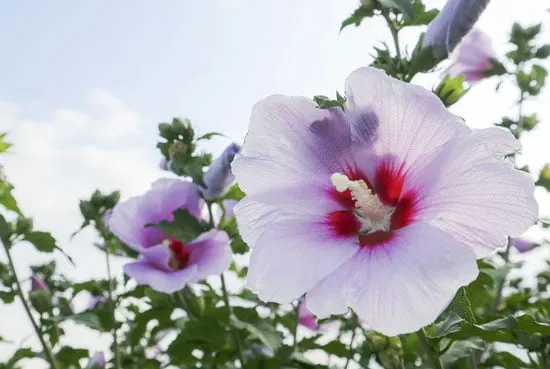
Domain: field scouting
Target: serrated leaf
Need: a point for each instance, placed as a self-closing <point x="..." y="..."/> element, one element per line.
<point x="185" y="227"/>
<point x="43" y="241"/>
<point x="357" y="16"/>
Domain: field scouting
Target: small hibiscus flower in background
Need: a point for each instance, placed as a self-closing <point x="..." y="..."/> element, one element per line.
<point x="97" y="361"/>
<point x="474" y="58"/>
<point x="522" y="245"/>
<point x="383" y="207"/>
<point x="167" y="264"/>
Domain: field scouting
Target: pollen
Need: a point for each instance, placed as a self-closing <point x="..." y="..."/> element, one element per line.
<point x="367" y="204"/>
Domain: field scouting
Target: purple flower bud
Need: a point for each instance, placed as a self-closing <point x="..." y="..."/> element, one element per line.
<point x="165" y="164"/>
<point x="219" y="176"/>
<point x="107" y="217"/>
<point x="38" y="284"/>
<point x="453" y="22"/>
<point x="97" y="361"/>
<point x="522" y="245"/>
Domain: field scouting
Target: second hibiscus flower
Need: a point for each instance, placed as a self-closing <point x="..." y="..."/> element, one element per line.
<point x="383" y="207"/>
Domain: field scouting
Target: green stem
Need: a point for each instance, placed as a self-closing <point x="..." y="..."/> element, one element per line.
<point x="429" y="350"/>
<point x="502" y="281"/>
<point x="47" y="351"/>
<point x="394" y="33"/>
<point x="472" y="361"/>
<point x="350" y="350"/>
<point x="118" y="363"/>
<point x="234" y="334"/>
<point x="295" y="328"/>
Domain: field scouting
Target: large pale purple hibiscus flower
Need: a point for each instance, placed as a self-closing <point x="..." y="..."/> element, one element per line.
<point x="167" y="264"/>
<point x="383" y="207"/>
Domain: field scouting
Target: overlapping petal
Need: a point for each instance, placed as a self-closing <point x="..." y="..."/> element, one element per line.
<point x="400" y="286"/>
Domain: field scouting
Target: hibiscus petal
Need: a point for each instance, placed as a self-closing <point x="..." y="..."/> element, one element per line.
<point x="160" y="280"/>
<point x="473" y="194"/>
<point x="408" y="121"/>
<point x="290" y="140"/>
<point x="129" y="218"/>
<point x="401" y="286"/>
<point x="292" y="256"/>
<point x="211" y="253"/>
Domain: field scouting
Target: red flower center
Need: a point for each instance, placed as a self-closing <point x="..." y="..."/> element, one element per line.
<point x="180" y="254"/>
<point x="373" y="209"/>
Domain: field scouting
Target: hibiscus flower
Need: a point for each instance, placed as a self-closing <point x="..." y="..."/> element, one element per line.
<point x="383" y="207"/>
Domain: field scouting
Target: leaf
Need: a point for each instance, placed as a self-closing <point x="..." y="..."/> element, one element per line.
<point x="22" y="353"/>
<point x="261" y="330"/>
<point x="239" y="246"/>
<point x="506" y="360"/>
<point x="234" y="193"/>
<point x="5" y="229"/>
<point x="43" y="241"/>
<point x="3" y="144"/>
<point x="461" y="350"/>
<point x="69" y="356"/>
<point x="461" y="306"/>
<point x="404" y="6"/>
<point x="185" y="227"/>
<point x="422" y="17"/>
<point x="357" y="16"/>
<point x="6" y="198"/>
<point x="544" y="177"/>
<point x="209" y="135"/>
<point x="86" y="318"/>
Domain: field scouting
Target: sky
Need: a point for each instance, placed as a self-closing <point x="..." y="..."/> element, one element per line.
<point x="84" y="85"/>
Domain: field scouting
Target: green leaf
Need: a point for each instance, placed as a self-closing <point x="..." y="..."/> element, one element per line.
<point x="357" y="16"/>
<point x="43" y="241"/>
<point x="69" y="356"/>
<point x="5" y="229"/>
<point x="422" y="16"/>
<point x="209" y="135"/>
<point x="506" y="360"/>
<point x="22" y="353"/>
<point x="461" y="350"/>
<point x="185" y="227"/>
<point x="404" y="6"/>
<point x="239" y="246"/>
<point x="86" y="318"/>
<point x="544" y="177"/>
<point x="261" y="330"/>
<point x="6" y="198"/>
<point x="3" y="144"/>
<point x="234" y="193"/>
<point x="461" y="306"/>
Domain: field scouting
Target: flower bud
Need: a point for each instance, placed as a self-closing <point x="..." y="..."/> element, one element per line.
<point x="522" y="245"/>
<point x="97" y="361"/>
<point x="218" y="177"/>
<point x="453" y="22"/>
<point x="38" y="284"/>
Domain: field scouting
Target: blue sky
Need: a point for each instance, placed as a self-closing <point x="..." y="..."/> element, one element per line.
<point x="84" y="85"/>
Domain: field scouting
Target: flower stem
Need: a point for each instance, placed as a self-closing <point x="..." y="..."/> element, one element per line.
<point x="236" y="341"/>
<point x="118" y="364"/>
<point x="350" y="349"/>
<point x="295" y="328"/>
<point x="47" y="351"/>
<point x="428" y="349"/>
<point x="501" y="282"/>
<point x="394" y="33"/>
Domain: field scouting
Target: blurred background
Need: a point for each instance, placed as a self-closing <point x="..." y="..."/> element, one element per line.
<point x="83" y="86"/>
